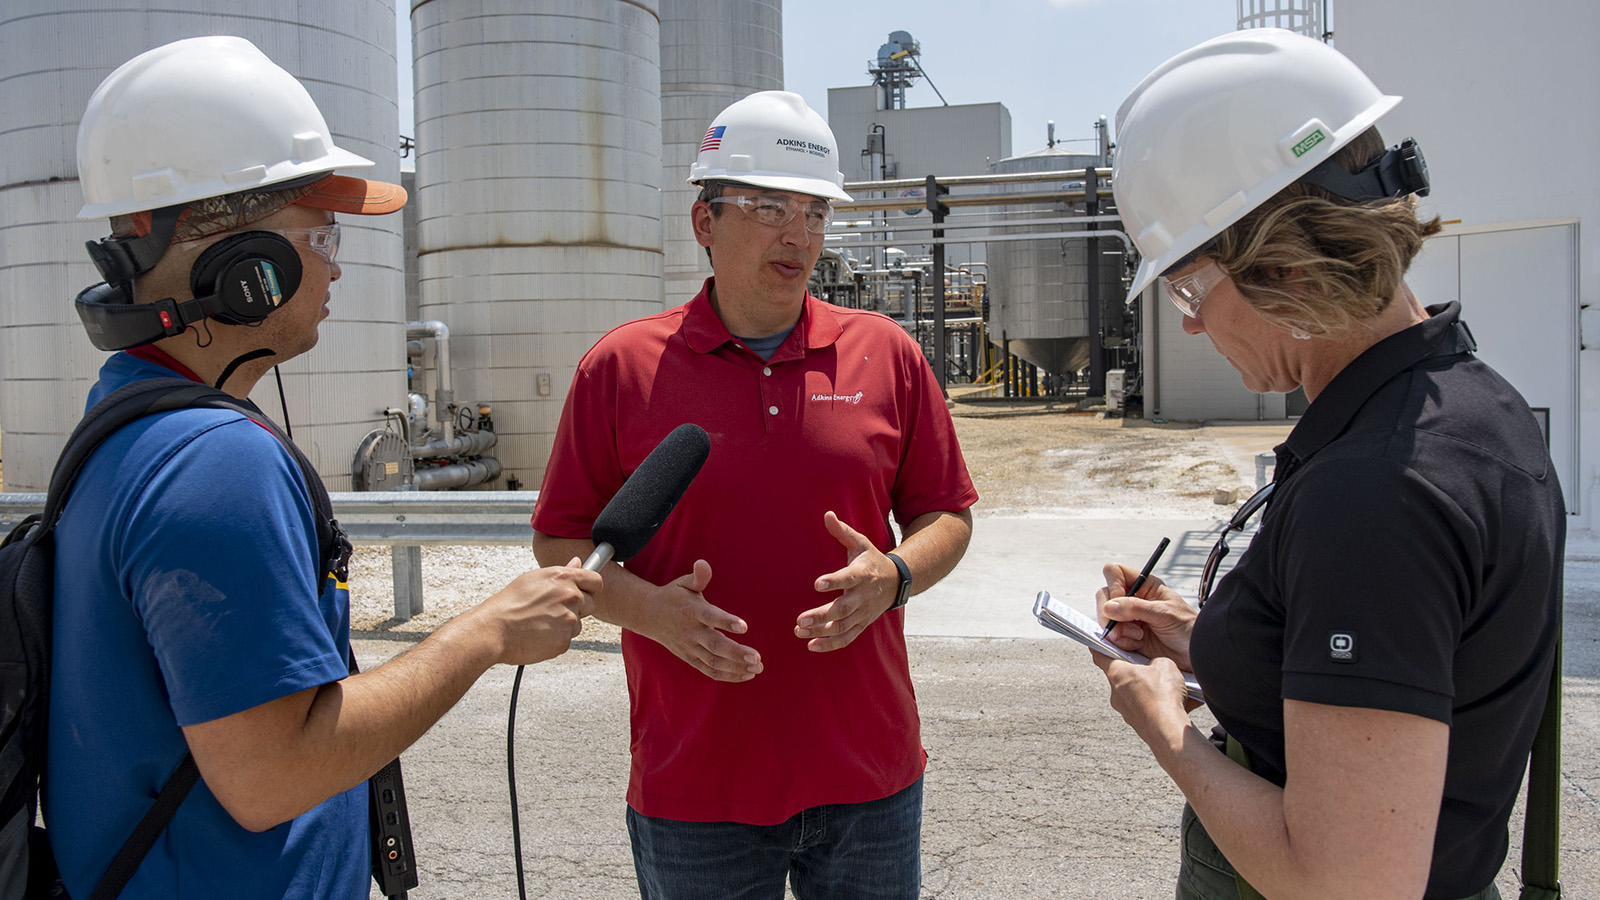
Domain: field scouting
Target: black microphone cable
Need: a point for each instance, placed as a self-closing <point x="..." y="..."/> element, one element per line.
<point x="628" y="522"/>
<point x="511" y="779"/>
<point x="282" y="403"/>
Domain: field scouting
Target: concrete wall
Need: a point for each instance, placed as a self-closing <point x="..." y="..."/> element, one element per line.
<point x="1508" y="122"/>
<point x="1187" y="379"/>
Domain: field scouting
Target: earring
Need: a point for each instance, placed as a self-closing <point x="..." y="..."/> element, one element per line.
<point x="1299" y="334"/>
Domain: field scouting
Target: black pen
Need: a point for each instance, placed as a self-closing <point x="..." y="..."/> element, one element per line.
<point x="1139" y="582"/>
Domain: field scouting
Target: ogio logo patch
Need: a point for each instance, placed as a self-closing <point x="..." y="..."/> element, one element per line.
<point x="1342" y="646"/>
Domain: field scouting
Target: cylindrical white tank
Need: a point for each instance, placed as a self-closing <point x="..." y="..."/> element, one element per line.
<point x="53" y="53"/>
<point x="713" y="52"/>
<point x="1300" y="16"/>
<point x="538" y="195"/>
<point x="1039" y="290"/>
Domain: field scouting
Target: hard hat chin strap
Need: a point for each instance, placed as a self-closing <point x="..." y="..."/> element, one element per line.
<point x="1399" y="172"/>
<point x="122" y="259"/>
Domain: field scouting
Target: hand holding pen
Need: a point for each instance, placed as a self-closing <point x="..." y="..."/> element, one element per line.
<point x="1144" y="574"/>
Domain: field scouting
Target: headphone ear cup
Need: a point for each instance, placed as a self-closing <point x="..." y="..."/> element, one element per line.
<point x="250" y="275"/>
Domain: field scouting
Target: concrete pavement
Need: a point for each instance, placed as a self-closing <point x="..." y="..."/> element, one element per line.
<point x="1035" y="788"/>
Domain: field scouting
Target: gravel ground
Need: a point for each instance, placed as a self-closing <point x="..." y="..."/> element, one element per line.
<point x="1027" y="461"/>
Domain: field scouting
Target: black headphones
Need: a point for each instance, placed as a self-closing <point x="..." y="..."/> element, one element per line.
<point x="248" y="274"/>
<point x="239" y="280"/>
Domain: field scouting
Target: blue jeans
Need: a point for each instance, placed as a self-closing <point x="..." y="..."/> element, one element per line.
<point x="844" y="851"/>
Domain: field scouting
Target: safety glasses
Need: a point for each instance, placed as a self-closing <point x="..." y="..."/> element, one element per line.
<point x="1235" y="524"/>
<point x="1186" y="291"/>
<point x="777" y="210"/>
<point x="324" y="239"/>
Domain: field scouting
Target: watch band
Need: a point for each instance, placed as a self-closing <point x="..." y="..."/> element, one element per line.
<point x="904" y="594"/>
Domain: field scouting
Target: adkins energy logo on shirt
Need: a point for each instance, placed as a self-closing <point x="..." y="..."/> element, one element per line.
<point x="852" y="399"/>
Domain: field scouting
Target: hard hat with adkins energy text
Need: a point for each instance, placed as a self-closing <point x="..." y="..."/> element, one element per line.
<point x="1220" y="128"/>
<point x="198" y="118"/>
<point x="772" y="139"/>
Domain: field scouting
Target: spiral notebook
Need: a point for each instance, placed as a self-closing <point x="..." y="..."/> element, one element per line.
<point x="1059" y="617"/>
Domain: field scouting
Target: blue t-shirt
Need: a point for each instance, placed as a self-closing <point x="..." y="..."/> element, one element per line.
<point x="187" y="590"/>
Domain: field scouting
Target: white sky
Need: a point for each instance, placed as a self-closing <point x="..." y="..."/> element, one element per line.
<point x="1067" y="60"/>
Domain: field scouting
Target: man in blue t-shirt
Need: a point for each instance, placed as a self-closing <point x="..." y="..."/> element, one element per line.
<point x="194" y="608"/>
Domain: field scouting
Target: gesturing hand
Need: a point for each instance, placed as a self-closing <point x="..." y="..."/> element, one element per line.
<point x="869" y="582"/>
<point x="686" y="624"/>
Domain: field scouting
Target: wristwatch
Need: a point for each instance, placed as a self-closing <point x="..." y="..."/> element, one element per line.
<point x="904" y="592"/>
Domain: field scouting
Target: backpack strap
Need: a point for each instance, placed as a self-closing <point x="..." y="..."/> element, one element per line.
<point x="155" y="395"/>
<point x="155" y="820"/>
<point x="117" y="409"/>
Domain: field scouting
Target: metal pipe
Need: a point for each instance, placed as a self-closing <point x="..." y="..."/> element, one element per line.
<point x="1097" y="325"/>
<point x="986" y="222"/>
<point x="443" y="397"/>
<point x="962" y="200"/>
<point x="994" y="239"/>
<point x="959" y="180"/>
<point x="471" y="443"/>
<point x="830" y="253"/>
<point x="455" y="475"/>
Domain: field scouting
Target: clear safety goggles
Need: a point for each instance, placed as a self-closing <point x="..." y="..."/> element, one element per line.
<point x="777" y="210"/>
<point x="324" y="239"/>
<point x="1186" y="291"/>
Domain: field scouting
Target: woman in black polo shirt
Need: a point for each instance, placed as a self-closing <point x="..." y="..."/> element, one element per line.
<point x="1378" y="658"/>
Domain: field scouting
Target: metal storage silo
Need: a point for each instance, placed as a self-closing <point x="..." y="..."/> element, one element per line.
<point x="1300" y="16"/>
<point x="713" y="52"/>
<point x="1038" y="290"/>
<point x="538" y="195"/>
<point x="53" y="53"/>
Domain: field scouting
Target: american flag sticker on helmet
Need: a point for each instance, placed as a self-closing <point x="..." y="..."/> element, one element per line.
<point x="713" y="138"/>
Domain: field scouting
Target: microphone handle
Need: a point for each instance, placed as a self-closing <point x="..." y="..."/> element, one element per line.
<point x="598" y="559"/>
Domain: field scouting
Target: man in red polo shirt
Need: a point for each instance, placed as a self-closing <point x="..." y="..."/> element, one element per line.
<point x="774" y="728"/>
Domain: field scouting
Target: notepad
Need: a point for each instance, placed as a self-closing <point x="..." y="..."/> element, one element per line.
<point x="1059" y="617"/>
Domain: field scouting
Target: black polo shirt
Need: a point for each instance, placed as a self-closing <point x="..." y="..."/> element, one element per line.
<point x="1410" y="560"/>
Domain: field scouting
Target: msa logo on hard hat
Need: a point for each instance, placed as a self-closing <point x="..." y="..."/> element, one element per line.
<point x="1311" y="140"/>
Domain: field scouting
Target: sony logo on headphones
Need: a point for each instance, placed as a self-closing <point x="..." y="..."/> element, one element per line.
<point x="267" y="277"/>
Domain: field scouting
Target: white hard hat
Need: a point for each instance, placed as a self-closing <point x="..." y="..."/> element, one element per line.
<point x="1220" y="128"/>
<point x="198" y="118"/>
<point x="772" y="139"/>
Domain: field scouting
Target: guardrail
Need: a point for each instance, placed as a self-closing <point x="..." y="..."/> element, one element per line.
<point x="406" y="521"/>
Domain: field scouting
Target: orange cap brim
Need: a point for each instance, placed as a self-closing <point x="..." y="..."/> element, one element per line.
<point x="357" y="196"/>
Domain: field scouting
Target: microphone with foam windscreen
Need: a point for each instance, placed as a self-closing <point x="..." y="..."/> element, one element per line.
<point x="634" y="515"/>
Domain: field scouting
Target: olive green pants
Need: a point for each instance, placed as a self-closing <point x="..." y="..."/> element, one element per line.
<point x="1205" y="874"/>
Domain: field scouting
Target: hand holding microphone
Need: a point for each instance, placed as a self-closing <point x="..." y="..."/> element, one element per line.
<point x="541" y="611"/>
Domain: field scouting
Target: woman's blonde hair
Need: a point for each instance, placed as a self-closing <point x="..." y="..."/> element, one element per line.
<point x="1318" y="264"/>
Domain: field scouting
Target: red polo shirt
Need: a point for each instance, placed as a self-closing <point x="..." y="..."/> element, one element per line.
<point x="846" y="416"/>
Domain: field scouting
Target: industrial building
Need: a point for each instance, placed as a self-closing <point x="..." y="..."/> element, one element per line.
<point x="549" y="206"/>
